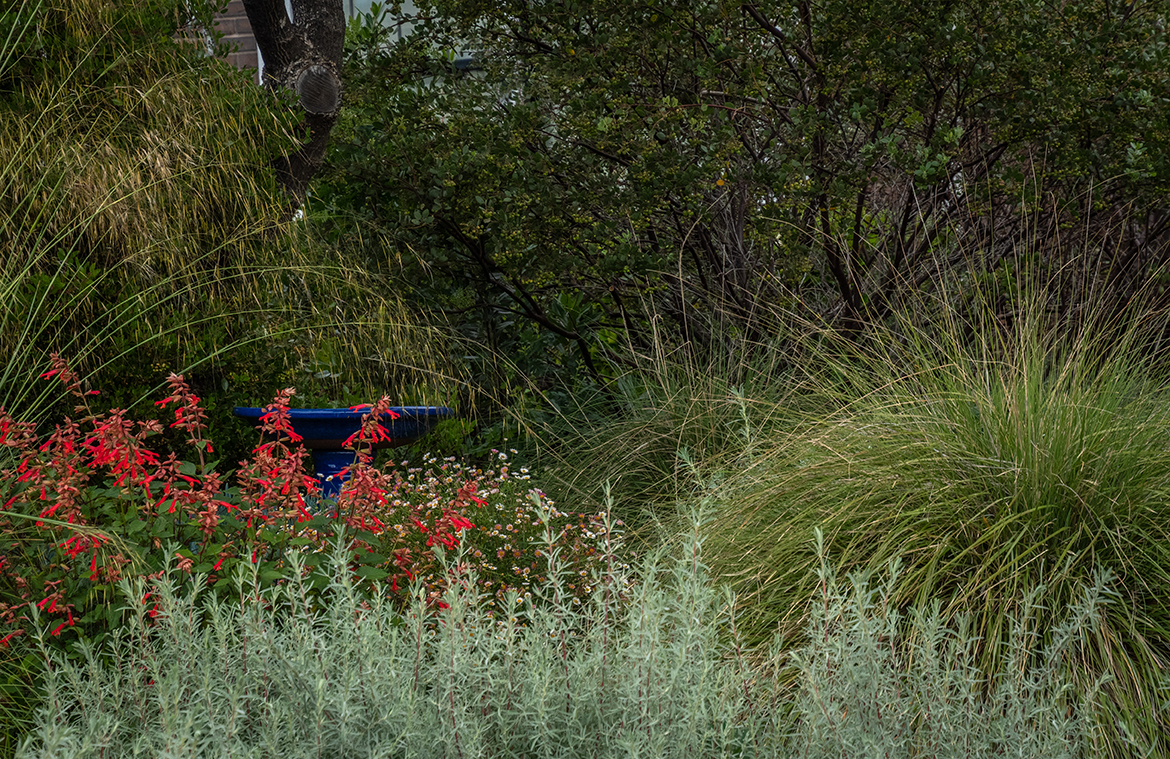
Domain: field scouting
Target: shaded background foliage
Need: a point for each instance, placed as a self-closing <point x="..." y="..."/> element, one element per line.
<point x="613" y="172"/>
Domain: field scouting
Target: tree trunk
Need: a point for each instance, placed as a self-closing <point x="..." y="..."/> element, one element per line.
<point x="302" y="55"/>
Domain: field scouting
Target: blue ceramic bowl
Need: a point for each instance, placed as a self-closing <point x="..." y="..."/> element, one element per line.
<point x="329" y="428"/>
<point x="325" y="430"/>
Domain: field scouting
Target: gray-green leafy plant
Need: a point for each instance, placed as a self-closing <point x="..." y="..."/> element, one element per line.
<point x="650" y="666"/>
<point x="875" y="683"/>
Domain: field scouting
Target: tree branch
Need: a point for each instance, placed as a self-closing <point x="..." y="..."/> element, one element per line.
<point x="780" y="36"/>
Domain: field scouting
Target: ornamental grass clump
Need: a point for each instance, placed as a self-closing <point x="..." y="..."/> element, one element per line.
<point x="994" y="459"/>
<point x="652" y="665"/>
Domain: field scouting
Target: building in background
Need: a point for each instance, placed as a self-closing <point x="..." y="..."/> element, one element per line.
<point x="237" y="32"/>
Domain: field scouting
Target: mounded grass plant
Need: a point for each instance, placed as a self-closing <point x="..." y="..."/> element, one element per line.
<point x="130" y="182"/>
<point x="621" y="447"/>
<point x="994" y="458"/>
<point x="650" y="666"/>
<point x="141" y="231"/>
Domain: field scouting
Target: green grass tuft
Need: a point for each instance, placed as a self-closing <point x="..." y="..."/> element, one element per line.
<point x="993" y="461"/>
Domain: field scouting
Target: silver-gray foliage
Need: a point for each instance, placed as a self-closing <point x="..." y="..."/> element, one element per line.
<point x="646" y="668"/>
<point x="875" y="685"/>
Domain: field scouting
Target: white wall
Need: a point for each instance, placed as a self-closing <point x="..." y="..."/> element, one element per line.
<point x="354" y="7"/>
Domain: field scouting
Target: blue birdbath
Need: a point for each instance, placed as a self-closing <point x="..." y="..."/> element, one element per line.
<point x="325" y="430"/>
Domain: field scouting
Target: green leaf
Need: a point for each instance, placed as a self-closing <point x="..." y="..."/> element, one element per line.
<point x="372" y="573"/>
